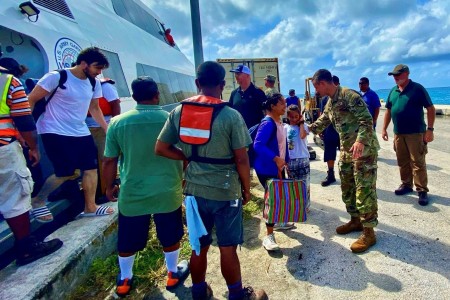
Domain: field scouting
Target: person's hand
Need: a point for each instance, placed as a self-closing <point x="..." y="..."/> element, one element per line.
<point x="384" y="135"/>
<point x="429" y="136"/>
<point x="246" y="196"/>
<point x="112" y="193"/>
<point x="280" y="163"/>
<point x="357" y="150"/>
<point x="34" y="156"/>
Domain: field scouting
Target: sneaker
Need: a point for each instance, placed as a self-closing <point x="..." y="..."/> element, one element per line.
<point x="174" y="279"/>
<point x="29" y="249"/>
<point x="403" y="189"/>
<point x="208" y="294"/>
<point x="124" y="286"/>
<point x="270" y="244"/>
<point x="283" y="226"/>
<point x="251" y="294"/>
<point x="423" y="198"/>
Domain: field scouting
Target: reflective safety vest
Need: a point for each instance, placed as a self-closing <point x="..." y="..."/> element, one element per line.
<point x="196" y="120"/>
<point x="7" y="128"/>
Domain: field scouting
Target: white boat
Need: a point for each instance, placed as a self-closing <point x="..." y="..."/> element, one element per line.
<point x="129" y="33"/>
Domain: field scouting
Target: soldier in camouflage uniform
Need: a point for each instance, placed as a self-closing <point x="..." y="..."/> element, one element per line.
<point x="269" y="83"/>
<point x="348" y="113"/>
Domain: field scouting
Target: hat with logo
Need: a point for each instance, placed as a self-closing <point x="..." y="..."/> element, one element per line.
<point x="270" y="77"/>
<point x="241" y="69"/>
<point x="401" y="68"/>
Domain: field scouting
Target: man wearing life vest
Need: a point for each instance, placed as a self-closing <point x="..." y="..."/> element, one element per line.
<point x="213" y="138"/>
<point x="15" y="178"/>
<point x="110" y="106"/>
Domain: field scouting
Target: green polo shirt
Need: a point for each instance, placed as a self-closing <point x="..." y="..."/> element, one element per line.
<point x="149" y="183"/>
<point x="212" y="181"/>
<point x="407" y="108"/>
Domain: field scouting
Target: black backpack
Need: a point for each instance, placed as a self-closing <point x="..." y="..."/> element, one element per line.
<point x="40" y="105"/>
<point x="253" y="131"/>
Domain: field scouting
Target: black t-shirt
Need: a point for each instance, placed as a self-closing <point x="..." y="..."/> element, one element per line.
<point x="249" y="104"/>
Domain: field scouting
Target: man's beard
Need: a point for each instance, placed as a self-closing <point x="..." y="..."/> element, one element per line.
<point x="88" y="75"/>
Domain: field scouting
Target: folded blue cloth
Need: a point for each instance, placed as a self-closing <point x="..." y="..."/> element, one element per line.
<point x="195" y="226"/>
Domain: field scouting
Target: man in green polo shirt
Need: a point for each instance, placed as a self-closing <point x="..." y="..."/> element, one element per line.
<point x="405" y="105"/>
<point x="150" y="185"/>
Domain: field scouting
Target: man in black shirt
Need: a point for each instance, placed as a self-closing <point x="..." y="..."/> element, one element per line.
<point x="247" y="99"/>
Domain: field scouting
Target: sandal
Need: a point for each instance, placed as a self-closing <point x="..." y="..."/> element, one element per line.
<point x="102" y="210"/>
<point x="43" y="211"/>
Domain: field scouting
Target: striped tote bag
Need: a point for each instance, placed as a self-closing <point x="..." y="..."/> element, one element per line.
<point x="285" y="200"/>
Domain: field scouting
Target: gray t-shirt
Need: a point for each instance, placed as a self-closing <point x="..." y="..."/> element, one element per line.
<point x="212" y="181"/>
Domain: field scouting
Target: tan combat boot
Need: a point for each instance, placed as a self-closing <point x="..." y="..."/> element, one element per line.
<point x="365" y="241"/>
<point x="353" y="225"/>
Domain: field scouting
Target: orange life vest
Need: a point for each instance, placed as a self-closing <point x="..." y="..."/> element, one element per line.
<point x="196" y="120"/>
<point x="105" y="106"/>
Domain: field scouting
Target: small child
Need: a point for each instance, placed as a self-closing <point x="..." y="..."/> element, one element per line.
<point x="297" y="132"/>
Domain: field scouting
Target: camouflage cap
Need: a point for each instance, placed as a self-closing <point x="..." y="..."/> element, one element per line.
<point x="270" y="77"/>
<point x="399" y="69"/>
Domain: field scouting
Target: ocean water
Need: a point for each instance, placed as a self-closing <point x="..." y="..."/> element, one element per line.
<point x="439" y="95"/>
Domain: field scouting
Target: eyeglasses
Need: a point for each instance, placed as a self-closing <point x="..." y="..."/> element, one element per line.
<point x="363" y="83"/>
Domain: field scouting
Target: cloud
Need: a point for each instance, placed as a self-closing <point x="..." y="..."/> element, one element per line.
<point x="351" y="38"/>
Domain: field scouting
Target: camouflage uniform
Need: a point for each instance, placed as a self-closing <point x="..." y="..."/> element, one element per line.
<point x="352" y="120"/>
<point x="270" y="91"/>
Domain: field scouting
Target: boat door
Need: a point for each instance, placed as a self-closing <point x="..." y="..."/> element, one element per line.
<point x="25" y="50"/>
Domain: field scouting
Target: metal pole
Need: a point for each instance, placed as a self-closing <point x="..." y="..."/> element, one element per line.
<point x="196" y="33"/>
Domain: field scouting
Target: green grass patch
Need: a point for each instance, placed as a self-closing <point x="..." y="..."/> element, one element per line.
<point x="253" y="207"/>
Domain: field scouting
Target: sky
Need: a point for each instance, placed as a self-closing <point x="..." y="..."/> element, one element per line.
<point x="351" y="38"/>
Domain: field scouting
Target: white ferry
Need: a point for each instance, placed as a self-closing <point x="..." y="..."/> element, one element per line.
<point x="128" y="32"/>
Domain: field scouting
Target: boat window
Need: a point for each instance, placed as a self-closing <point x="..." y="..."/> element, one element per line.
<point x="115" y="72"/>
<point x="135" y="14"/>
<point x="58" y="6"/>
<point x="173" y="86"/>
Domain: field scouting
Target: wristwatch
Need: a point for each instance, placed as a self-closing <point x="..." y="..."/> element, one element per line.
<point x="430" y="128"/>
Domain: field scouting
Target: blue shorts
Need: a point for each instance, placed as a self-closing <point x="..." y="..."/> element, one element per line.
<point x="226" y="216"/>
<point x="133" y="231"/>
<point x="68" y="153"/>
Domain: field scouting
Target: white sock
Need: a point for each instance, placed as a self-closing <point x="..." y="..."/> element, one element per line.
<point x="172" y="260"/>
<point x="126" y="266"/>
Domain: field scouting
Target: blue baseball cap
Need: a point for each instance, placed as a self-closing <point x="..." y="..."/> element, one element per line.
<point x="241" y="69"/>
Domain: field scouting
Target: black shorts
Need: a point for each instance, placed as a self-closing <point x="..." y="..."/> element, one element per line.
<point x="68" y="153"/>
<point x="330" y="150"/>
<point x="133" y="231"/>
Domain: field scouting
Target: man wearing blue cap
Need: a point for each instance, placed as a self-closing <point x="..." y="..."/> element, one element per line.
<point x="247" y="99"/>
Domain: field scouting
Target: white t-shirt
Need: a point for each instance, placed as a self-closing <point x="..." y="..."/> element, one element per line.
<point x="298" y="148"/>
<point x="67" y="110"/>
<point x="110" y="94"/>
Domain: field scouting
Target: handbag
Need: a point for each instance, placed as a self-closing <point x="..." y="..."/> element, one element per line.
<point x="285" y="200"/>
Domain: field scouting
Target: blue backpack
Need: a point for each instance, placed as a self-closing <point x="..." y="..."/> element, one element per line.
<point x="253" y="131"/>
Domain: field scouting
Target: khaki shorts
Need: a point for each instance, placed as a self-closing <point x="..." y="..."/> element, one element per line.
<point x="16" y="183"/>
